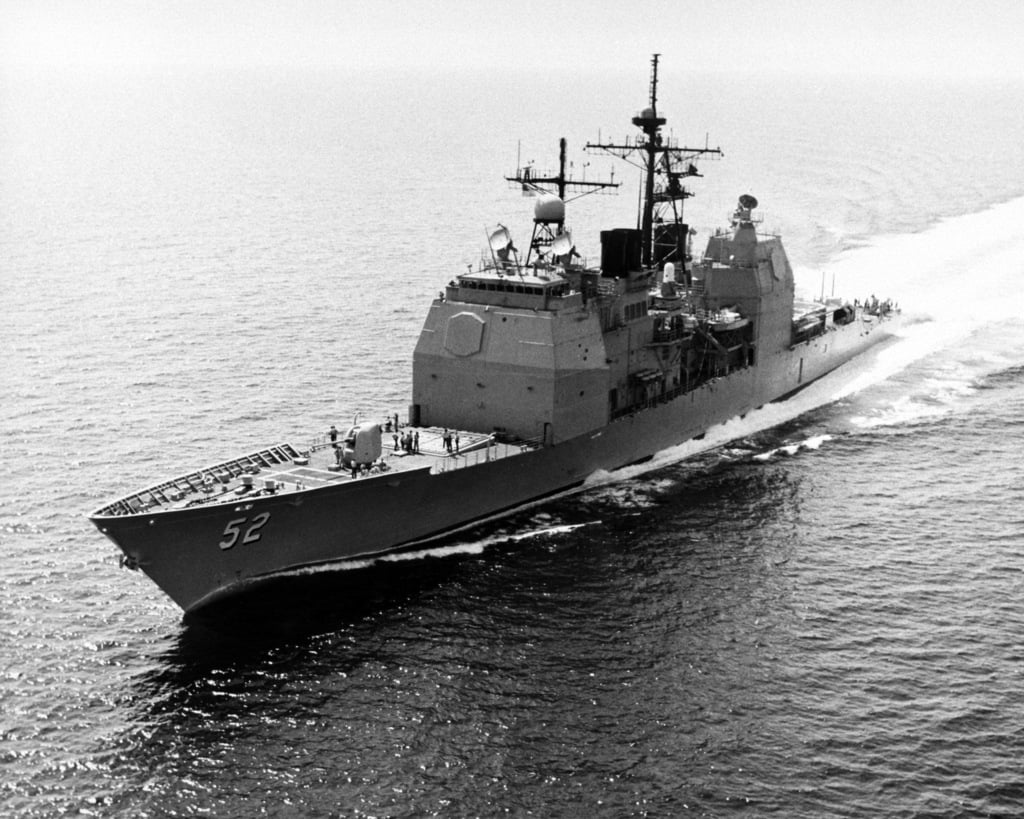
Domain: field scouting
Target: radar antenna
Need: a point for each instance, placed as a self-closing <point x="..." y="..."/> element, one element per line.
<point x="533" y="182"/>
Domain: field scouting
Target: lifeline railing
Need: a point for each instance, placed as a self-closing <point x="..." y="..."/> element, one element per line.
<point x="492" y="451"/>
<point x="200" y="480"/>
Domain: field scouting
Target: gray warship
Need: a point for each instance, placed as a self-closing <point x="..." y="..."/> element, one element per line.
<point x="532" y="372"/>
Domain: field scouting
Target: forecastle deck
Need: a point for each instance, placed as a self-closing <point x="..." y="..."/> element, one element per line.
<point x="284" y="469"/>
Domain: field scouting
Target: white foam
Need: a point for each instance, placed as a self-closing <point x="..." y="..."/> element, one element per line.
<point x="448" y="550"/>
<point x="550" y="530"/>
<point x="812" y="443"/>
<point x="815" y="441"/>
<point x="963" y="270"/>
<point x="903" y="412"/>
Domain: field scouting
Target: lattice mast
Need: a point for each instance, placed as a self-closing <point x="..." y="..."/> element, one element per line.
<point x="549" y="217"/>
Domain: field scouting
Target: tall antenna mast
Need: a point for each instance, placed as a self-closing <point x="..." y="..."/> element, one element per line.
<point x="650" y="123"/>
<point x="654" y="81"/>
<point x="658" y="157"/>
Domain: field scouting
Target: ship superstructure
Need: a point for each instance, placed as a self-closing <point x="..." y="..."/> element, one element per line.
<point x="547" y="349"/>
<point x="532" y="371"/>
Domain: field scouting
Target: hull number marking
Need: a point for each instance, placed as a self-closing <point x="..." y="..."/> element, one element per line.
<point x="252" y="533"/>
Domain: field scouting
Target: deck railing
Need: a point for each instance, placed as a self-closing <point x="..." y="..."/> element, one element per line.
<point x="492" y="451"/>
<point x="201" y="481"/>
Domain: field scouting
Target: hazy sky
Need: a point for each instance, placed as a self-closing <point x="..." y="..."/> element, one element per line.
<point x="923" y="37"/>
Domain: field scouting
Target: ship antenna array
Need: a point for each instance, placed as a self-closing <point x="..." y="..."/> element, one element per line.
<point x="533" y="182"/>
<point x="664" y="166"/>
<point x="654" y="81"/>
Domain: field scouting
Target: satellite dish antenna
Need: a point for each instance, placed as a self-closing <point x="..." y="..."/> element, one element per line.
<point x="500" y="239"/>
<point x="562" y="245"/>
<point x="748" y="202"/>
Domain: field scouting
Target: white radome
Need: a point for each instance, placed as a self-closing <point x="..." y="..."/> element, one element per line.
<point x="549" y="208"/>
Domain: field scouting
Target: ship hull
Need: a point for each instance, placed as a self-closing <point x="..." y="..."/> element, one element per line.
<point x="204" y="554"/>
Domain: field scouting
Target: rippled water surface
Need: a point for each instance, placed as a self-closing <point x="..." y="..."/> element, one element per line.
<point x="816" y="613"/>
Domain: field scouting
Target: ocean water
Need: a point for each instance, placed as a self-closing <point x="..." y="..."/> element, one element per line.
<point x="816" y="611"/>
